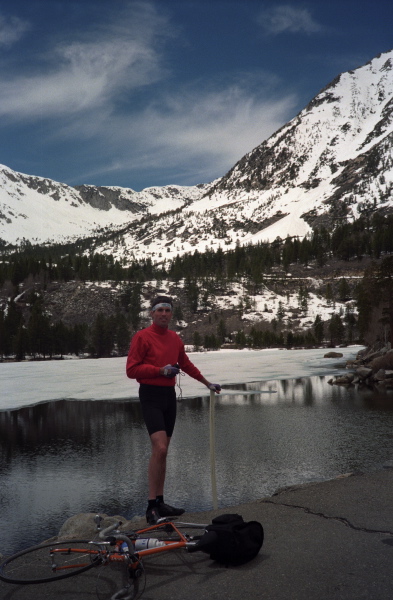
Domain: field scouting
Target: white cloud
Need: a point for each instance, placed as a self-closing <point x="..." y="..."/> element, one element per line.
<point x="90" y="92"/>
<point x="90" y="75"/>
<point x="11" y="30"/>
<point x="82" y="75"/>
<point x="285" y="17"/>
<point x="190" y="131"/>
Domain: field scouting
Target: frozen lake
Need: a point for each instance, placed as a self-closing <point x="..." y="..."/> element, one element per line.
<point x="28" y="383"/>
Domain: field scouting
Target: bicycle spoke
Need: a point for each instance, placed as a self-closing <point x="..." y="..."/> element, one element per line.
<point x="49" y="562"/>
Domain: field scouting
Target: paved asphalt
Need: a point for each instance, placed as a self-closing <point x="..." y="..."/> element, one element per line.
<point x="324" y="541"/>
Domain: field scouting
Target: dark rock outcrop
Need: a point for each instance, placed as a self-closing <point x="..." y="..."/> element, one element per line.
<point x="372" y="367"/>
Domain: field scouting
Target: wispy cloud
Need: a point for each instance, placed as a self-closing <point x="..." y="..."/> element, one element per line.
<point x="191" y="133"/>
<point x="12" y="29"/>
<point x="78" y="76"/>
<point x="110" y="92"/>
<point x="287" y="18"/>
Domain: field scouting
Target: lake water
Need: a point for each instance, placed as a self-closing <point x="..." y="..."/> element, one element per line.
<point x="65" y="456"/>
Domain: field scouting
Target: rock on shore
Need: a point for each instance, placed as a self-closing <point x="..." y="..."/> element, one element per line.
<point x="372" y="367"/>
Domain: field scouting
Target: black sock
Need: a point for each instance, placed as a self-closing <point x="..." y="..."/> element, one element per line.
<point x="160" y="499"/>
<point x="152" y="504"/>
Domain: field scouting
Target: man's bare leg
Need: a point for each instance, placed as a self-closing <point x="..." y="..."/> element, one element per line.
<point x="157" y="471"/>
<point x="157" y="463"/>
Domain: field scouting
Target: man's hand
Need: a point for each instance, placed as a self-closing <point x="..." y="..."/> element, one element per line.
<point x="169" y="371"/>
<point x="215" y="387"/>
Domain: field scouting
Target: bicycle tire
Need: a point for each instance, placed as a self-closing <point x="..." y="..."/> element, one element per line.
<point x="35" y="564"/>
<point x="128" y="585"/>
<point x="127" y="593"/>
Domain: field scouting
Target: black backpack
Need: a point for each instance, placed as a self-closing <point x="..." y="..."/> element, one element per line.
<point x="231" y="541"/>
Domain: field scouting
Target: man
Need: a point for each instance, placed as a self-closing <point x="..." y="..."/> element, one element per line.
<point x="155" y="358"/>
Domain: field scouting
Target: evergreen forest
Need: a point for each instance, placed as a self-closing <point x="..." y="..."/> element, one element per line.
<point x="27" y="328"/>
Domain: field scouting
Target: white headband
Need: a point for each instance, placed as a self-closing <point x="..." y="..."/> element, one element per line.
<point x="161" y="305"/>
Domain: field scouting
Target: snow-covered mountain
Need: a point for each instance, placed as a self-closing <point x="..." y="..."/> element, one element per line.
<point x="42" y="210"/>
<point x="333" y="161"/>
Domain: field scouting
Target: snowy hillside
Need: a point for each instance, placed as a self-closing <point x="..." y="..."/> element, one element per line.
<point x="333" y="161"/>
<point x="40" y="210"/>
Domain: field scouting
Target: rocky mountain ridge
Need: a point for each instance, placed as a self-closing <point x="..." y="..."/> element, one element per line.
<point x="334" y="158"/>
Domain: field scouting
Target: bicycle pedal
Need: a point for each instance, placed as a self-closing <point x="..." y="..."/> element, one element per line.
<point x="166" y="520"/>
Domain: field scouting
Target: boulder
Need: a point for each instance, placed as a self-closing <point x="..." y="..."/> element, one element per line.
<point x="342" y="380"/>
<point x="380" y="375"/>
<point x="333" y="355"/>
<point x="351" y="364"/>
<point x="82" y="526"/>
<point x="346" y="379"/>
<point x="363" y="372"/>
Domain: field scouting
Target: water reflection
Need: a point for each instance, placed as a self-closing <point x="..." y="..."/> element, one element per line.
<point x="65" y="457"/>
<point x="46" y="424"/>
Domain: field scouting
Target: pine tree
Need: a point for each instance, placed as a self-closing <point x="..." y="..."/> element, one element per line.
<point x="191" y="290"/>
<point x="318" y="329"/>
<point x="178" y="312"/>
<point x="221" y="331"/>
<point x="135" y="306"/>
<point x="384" y="283"/>
<point x="375" y="299"/>
<point x="290" y="339"/>
<point x="60" y="337"/>
<point x="329" y="295"/>
<point x="11" y="324"/>
<point x="39" y="331"/>
<point x="336" y="329"/>
<point x="197" y="340"/>
<point x="102" y="337"/>
<point x="20" y="343"/>
<point x="122" y="334"/>
<point x="350" y="320"/>
<point x="78" y="339"/>
<point x="343" y="291"/>
<point x="240" y="339"/>
<point x="280" y="312"/>
<point x="2" y="333"/>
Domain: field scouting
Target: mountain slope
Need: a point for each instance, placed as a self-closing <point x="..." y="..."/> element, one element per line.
<point x="42" y="210"/>
<point x="333" y="161"/>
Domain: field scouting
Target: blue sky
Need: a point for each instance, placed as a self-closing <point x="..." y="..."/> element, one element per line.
<point x="136" y="94"/>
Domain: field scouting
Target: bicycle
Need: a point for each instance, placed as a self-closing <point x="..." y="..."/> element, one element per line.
<point x="50" y="562"/>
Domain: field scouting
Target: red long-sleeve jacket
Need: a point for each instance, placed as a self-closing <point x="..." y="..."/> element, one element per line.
<point x="153" y="348"/>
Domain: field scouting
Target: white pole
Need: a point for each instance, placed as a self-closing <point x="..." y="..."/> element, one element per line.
<point x="212" y="450"/>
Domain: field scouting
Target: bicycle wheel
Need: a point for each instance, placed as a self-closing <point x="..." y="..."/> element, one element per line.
<point x="130" y="582"/>
<point x="50" y="562"/>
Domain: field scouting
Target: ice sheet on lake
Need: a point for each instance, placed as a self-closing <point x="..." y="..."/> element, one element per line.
<point x="28" y="383"/>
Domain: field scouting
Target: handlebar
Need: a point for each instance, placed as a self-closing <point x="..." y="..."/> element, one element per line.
<point x="104" y="535"/>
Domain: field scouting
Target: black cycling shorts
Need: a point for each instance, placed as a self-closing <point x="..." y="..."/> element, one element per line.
<point x="158" y="404"/>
